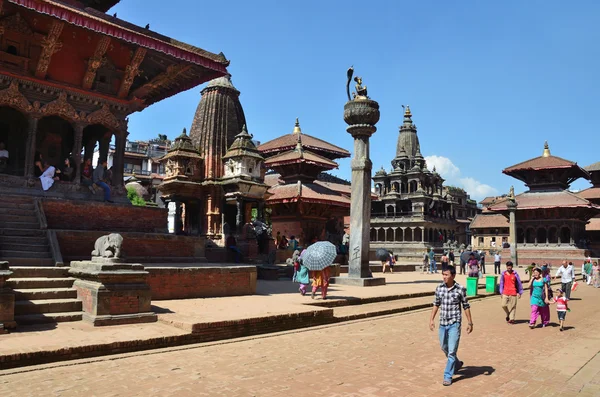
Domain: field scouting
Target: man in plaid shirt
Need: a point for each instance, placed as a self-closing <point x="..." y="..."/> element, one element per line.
<point x="449" y="297"/>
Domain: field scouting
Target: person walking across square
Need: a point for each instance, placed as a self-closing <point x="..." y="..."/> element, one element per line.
<point x="450" y="299"/>
<point x="562" y="306"/>
<point x="511" y="290"/>
<point x="497" y="261"/>
<point x="567" y="276"/>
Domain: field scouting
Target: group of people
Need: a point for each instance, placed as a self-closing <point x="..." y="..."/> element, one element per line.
<point x="302" y="276"/>
<point x="591" y="273"/>
<point x="95" y="179"/>
<point x="430" y="264"/>
<point x="282" y="243"/>
<point x="450" y="300"/>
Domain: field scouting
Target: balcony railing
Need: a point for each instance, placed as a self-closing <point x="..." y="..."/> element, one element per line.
<point x="129" y="149"/>
<point x="137" y="172"/>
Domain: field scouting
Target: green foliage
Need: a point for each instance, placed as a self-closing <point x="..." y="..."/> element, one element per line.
<point x="135" y="199"/>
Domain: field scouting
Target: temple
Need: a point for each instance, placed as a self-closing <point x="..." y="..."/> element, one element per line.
<point x="550" y="220"/>
<point x="302" y="202"/>
<point x="69" y="77"/>
<point x="592" y="194"/>
<point x="413" y="209"/>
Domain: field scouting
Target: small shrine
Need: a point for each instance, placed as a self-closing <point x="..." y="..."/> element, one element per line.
<point x="243" y="182"/>
<point x="182" y="184"/>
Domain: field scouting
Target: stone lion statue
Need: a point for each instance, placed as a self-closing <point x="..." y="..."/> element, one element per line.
<point x="108" y="246"/>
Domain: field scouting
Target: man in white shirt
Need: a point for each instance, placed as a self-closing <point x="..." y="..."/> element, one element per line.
<point x="567" y="276"/>
<point x="3" y="156"/>
<point x="497" y="260"/>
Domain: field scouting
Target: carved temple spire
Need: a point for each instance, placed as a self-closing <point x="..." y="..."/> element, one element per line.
<point x="546" y="152"/>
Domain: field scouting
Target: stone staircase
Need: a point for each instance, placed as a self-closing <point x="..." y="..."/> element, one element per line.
<point x="44" y="295"/>
<point x="22" y="241"/>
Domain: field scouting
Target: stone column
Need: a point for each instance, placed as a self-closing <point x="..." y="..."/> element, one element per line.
<point x="178" y="224"/>
<point x="361" y="114"/>
<point x="512" y="240"/>
<point x="422" y="235"/>
<point x="76" y="152"/>
<point x="32" y="124"/>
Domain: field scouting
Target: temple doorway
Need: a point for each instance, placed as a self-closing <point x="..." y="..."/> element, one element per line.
<point x="13" y="135"/>
<point x="54" y="140"/>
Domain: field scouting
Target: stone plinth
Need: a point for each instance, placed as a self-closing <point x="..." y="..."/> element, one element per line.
<point x="112" y="292"/>
<point x="7" y="300"/>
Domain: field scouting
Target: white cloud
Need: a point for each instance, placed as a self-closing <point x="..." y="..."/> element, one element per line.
<point x="451" y="173"/>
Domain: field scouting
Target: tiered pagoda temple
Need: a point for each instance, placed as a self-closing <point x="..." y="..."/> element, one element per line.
<point x="592" y="238"/>
<point x="302" y="205"/>
<point x="550" y="220"/>
<point x="413" y="209"/>
<point x="69" y="77"/>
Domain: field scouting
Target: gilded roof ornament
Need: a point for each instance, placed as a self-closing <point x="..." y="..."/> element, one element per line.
<point x="546" y="150"/>
<point x="297" y="129"/>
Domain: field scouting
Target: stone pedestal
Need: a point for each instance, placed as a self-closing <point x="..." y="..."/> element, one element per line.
<point x="361" y="115"/>
<point x="7" y="300"/>
<point x="112" y="292"/>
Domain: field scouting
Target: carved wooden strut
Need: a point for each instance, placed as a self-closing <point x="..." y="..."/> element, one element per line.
<point x="131" y="72"/>
<point x="50" y="46"/>
<point x="95" y="62"/>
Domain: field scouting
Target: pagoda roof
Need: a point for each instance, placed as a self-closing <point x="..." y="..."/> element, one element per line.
<point x="288" y="142"/>
<point x="309" y="192"/>
<point x="300" y="156"/>
<point x="100" y="22"/>
<point x="544" y="199"/>
<point x="487" y="200"/>
<point x="593" y="225"/>
<point x="593" y="167"/>
<point x="590" y="193"/>
<point x="100" y="5"/>
<point x="489" y="221"/>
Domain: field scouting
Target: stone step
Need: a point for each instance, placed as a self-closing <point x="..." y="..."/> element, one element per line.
<point x="40" y="282"/>
<point x="45" y="293"/>
<point x="28" y="261"/>
<point x="32" y="319"/>
<point x="18" y="206"/>
<point x="42" y="306"/>
<point x="39" y="272"/>
<point x="24" y="240"/>
<point x="26" y="218"/>
<point x="4" y="246"/>
<point x="12" y="232"/>
<point x="25" y="254"/>
<point x="16" y="211"/>
<point x="19" y="225"/>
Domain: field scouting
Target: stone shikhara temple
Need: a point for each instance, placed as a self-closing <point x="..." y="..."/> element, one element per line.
<point x="413" y="209"/>
<point x="551" y="221"/>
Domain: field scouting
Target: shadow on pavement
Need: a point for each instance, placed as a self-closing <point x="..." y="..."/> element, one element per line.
<point x="472" y="371"/>
<point x="35" y="328"/>
<point x="161" y="310"/>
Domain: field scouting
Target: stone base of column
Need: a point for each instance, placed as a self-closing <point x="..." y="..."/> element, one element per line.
<point x="112" y="293"/>
<point x="7" y="300"/>
<point x="358" y="282"/>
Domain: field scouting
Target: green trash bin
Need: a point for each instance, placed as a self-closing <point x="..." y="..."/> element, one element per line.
<point x="490" y="283"/>
<point x="472" y="286"/>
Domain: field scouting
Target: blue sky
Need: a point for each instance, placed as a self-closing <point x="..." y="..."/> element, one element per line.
<point x="487" y="81"/>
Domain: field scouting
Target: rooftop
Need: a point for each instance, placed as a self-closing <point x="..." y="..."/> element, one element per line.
<point x="489" y="221"/>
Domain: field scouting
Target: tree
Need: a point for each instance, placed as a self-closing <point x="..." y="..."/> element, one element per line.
<point x="134" y="198"/>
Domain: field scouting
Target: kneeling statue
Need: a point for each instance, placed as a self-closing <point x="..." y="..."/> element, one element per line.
<point x="108" y="246"/>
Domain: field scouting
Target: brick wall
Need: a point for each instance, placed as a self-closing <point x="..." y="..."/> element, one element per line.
<point x="87" y="215"/>
<point x="201" y="282"/>
<point x="137" y="247"/>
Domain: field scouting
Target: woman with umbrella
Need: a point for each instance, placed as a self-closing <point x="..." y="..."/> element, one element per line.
<point x="317" y="258"/>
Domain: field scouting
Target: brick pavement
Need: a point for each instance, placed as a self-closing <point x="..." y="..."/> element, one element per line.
<point x="394" y="355"/>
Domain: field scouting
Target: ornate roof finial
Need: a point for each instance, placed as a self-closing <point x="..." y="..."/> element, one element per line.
<point x="407" y="112"/>
<point x="511" y="193"/>
<point x="297" y="129"/>
<point x="434" y="169"/>
<point x="546" y="150"/>
<point x="299" y="144"/>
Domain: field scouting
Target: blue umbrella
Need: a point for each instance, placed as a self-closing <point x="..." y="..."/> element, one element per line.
<point x="319" y="255"/>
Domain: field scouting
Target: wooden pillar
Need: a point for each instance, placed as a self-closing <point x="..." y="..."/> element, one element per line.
<point x="32" y="124"/>
<point x="119" y="158"/>
<point x="76" y="152"/>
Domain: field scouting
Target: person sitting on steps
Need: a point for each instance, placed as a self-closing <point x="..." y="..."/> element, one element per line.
<point x="100" y="181"/>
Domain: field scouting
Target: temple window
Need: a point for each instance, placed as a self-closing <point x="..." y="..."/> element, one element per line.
<point x="11" y="49"/>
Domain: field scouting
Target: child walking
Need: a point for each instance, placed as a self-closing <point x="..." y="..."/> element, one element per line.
<point x="562" y="307"/>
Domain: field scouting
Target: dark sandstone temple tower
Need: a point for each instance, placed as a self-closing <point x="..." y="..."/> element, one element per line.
<point x="218" y="119"/>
